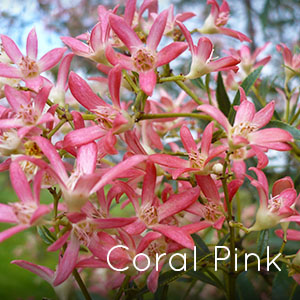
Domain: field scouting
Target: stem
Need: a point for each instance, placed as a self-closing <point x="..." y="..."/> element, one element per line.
<point x="56" y="128"/>
<point x="130" y="82"/>
<point x="171" y="115"/>
<point x="231" y="275"/>
<point x="186" y="296"/>
<point x="296" y="115"/>
<point x="189" y="92"/>
<point x="172" y="78"/>
<point x="122" y="287"/>
<point x="81" y="285"/>
<point x="207" y="79"/>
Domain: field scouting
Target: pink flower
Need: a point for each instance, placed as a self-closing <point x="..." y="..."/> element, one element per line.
<point x="143" y="59"/>
<point x="28" y="67"/>
<point x="218" y="18"/>
<point x="246" y="127"/>
<point x="27" y="114"/>
<point x="278" y="208"/>
<point x="292" y="62"/>
<point x="202" y="62"/>
<point x="28" y="212"/>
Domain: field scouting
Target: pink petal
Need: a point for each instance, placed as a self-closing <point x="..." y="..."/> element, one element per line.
<point x="83" y="93"/>
<point x="204" y="49"/>
<point x="282" y="184"/>
<point x="59" y="242"/>
<point x="113" y="222"/>
<point x="148" y="192"/>
<point x="91" y="263"/>
<point x="41" y="99"/>
<point x="261" y="157"/>
<point x="76" y="46"/>
<point x="157" y="30"/>
<point x="233" y="187"/>
<point x="10" y="123"/>
<point x="124" y="32"/>
<point x="43" y="272"/>
<point x="188" y="140"/>
<point x="32" y="44"/>
<point x="206" y="139"/>
<point x="264" y="116"/>
<point x="208" y="188"/>
<point x="7" y="214"/>
<point x="130" y="8"/>
<point x="68" y="262"/>
<point x="115" y="171"/>
<point x="292" y="234"/>
<point x="118" y="58"/>
<point x="114" y="83"/>
<point x="169" y="161"/>
<point x="176" y="234"/>
<point x="11" y="231"/>
<point x="146" y="240"/>
<point x="187" y="36"/>
<point x="63" y="70"/>
<point x="215" y="114"/>
<point x="148" y="81"/>
<point x="19" y="183"/>
<point x="224" y="64"/>
<point x="9" y="71"/>
<point x="178" y="202"/>
<point x="96" y="37"/>
<point x="54" y="158"/>
<point x="234" y="34"/>
<point x="87" y="158"/>
<point x="16" y="98"/>
<point x="11" y="49"/>
<point x="270" y="135"/>
<point x="41" y="211"/>
<point x="51" y="59"/>
<point x="83" y="136"/>
<point x="152" y="280"/>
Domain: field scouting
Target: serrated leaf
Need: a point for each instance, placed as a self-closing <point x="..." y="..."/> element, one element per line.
<point x="245" y="289"/>
<point x="262" y="242"/>
<point x="291" y="129"/>
<point x="201" y="247"/>
<point x="246" y="85"/>
<point x="222" y="97"/>
<point x="199" y="83"/>
<point x="46" y="235"/>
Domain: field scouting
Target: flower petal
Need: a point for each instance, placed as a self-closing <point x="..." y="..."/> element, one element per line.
<point x="32" y="45"/>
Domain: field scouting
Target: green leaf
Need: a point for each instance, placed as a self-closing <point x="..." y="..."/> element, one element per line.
<point x="246" y="85"/>
<point x="291" y="129"/>
<point x="200" y="275"/>
<point x="46" y="235"/>
<point x="198" y="82"/>
<point x="282" y="284"/>
<point x="222" y="241"/>
<point x="222" y="97"/>
<point x="201" y="248"/>
<point x="245" y="289"/>
<point x="262" y="243"/>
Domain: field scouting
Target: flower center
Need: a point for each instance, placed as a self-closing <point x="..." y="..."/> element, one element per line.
<point x="29" y="67"/>
<point x="9" y="142"/>
<point x="197" y="160"/>
<point x="24" y="211"/>
<point x="32" y="149"/>
<point x="274" y="204"/>
<point x="28" y="115"/>
<point x="156" y="247"/>
<point x="211" y="212"/>
<point x="243" y="129"/>
<point x="239" y="154"/>
<point x="149" y="215"/>
<point x="84" y="231"/>
<point x="144" y="59"/>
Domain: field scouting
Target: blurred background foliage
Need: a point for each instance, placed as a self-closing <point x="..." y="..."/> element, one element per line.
<point x="262" y="20"/>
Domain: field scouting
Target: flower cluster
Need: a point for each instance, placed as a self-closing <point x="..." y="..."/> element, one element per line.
<point x="177" y="165"/>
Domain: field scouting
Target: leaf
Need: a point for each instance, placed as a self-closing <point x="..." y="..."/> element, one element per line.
<point x="46" y="235"/>
<point x="198" y="82"/>
<point x="245" y="289"/>
<point x="200" y="275"/>
<point x="291" y="129"/>
<point x="222" y="97"/>
<point x="262" y="242"/>
<point x="246" y="85"/>
<point x="282" y="284"/>
<point x="201" y="248"/>
<point x="222" y="241"/>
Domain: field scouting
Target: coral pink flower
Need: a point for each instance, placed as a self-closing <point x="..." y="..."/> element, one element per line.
<point x="26" y="114"/>
<point x="28" y="67"/>
<point x="144" y="59"/>
<point x="275" y="209"/>
<point x="218" y="18"/>
<point x="155" y="216"/>
<point x="198" y="160"/>
<point x="249" y="60"/>
<point x="28" y="212"/>
<point x="292" y="62"/>
<point x="247" y="124"/>
<point x="202" y="62"/>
